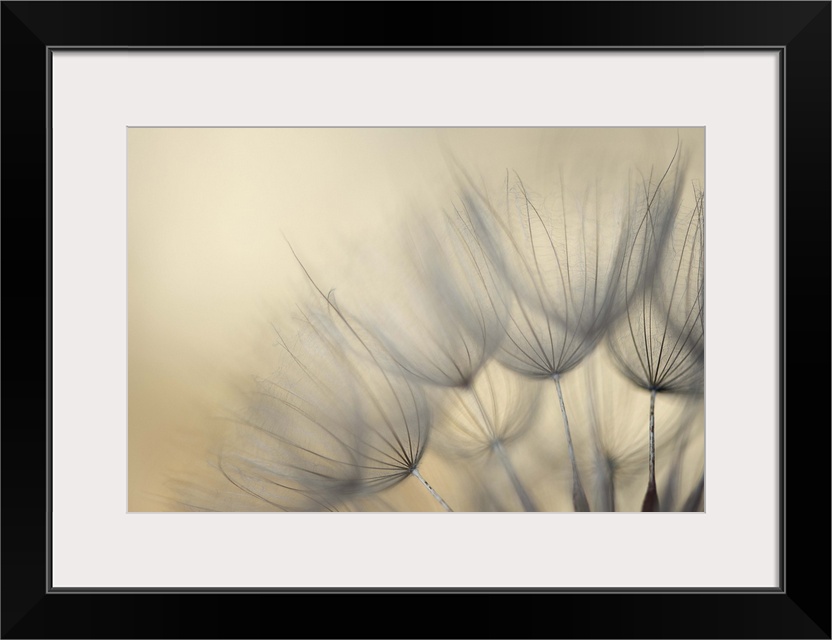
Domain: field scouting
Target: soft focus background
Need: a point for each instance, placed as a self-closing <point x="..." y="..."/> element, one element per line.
<point x="211" y="213"/>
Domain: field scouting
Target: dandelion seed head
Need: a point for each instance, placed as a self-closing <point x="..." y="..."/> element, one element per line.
<point x="430" y="314"/>
<point x="560" y="264"/>
<point x="659" y="343"/>
<point x="325" y="427"/>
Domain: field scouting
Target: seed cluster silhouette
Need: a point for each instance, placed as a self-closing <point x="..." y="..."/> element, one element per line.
<point x="529" y="343"/>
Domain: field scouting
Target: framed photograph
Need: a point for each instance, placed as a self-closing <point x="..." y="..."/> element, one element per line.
<point x="315" y="313"/>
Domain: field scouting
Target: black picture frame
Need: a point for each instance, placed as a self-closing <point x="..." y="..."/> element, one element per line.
<point x="799" y="608"/>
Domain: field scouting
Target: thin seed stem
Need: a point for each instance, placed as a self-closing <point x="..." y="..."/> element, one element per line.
<point x="525" y="499"/>
<point x="651" y="497"/>
<point x="578" y="494"/>
<point x="611" y="491"/>
<point x="439" y="499"/>
<point x="605" y="478"/>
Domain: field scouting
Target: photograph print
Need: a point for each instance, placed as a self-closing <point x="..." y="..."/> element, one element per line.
<point x="416" y="319"/>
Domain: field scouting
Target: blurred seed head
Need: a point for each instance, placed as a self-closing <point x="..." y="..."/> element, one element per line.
<point x="497" y="409"/>
<point x="325" y="427"/>
<point x="426" y="304"/>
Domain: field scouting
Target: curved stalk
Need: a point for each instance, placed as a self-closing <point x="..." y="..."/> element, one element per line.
<point x="524" y="496"/>
<point x="579" y="500"/>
